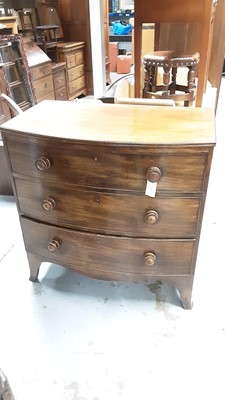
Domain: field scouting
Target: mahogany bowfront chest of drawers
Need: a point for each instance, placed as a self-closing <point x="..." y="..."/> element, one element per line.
<point x="112" y="191"/>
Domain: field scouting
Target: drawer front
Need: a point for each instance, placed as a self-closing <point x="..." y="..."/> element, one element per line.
<point x="41" y="71"/>
<point x="79" y="57"/>
<point x="101" y="256"/>
<point x="43" y="86"/>
<point x="59" y="80"/>
<point x="76" y="85"/>
<point x="116" y="214"/>
<point x="75" y="73"/>
<point x="48" y="96"/>
<point x="97" y="166"/>
<point x="70" y="61"/>
<point x="61" y="94"/>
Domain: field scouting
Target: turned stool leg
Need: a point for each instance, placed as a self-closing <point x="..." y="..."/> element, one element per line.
<point x="174" y="81"/>
<point x="166" y="81"/>
<point x="150" y="80"/>
<point x="153" y="79"/>
<point x="190" y="84"/>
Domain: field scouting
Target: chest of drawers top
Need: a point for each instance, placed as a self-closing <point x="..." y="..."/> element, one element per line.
<point x="114" y="124"/>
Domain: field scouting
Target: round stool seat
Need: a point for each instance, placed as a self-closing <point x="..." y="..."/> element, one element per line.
<point x="173" y="58"/>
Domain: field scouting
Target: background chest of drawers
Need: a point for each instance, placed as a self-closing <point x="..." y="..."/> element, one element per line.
<point x="59" y="80"/>
<point x="80" y="186"/>
<point x="73" y="54"/>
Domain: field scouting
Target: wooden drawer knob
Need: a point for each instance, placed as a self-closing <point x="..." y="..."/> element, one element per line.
<point x="42" y="164"/>
<point x="48" y="204"/>
<point x="150" y="259"/>
<point x="53" y="245"/>
<point x="151" y="217"/>
<point x="153" y="174"/>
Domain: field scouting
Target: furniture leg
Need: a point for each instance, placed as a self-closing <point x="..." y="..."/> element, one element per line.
<point x="34" y="264"/>
<point x="173" y="83"/>
<point x="166" y="81"/>
<point x="184" y="287"/>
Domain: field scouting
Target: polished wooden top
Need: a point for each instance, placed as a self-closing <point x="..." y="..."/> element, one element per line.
<point x="116" y="123"/>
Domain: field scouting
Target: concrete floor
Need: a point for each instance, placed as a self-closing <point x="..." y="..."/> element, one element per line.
<point x="69" y="337"/>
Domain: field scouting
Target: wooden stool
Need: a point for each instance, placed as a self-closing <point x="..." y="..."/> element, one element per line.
<point x="170" y="61"/>
<point x="196" y="16"/>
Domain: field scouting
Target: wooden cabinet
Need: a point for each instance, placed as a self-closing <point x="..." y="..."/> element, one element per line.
<point x="72" y="53"/>
<point x="41" y="72"/>
<point x="82" y="196"/>
<point x="59" y="80"/>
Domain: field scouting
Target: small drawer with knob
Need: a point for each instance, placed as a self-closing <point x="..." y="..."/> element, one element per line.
<point x="59" y="80"/>
<point x="90" y="210"/>
<point x="61" y="94"/>
<point x="43" y="86"/>
<point x="115" y="257"/>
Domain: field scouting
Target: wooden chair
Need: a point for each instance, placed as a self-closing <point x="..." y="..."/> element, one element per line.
<point x="193" y="19"/>
<point x="16" y="110"/>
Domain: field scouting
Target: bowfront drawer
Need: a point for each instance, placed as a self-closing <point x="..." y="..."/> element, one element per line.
<point x="98" y="255"/>
<point x="109" y="168"/>
<point x="118" y="214"/>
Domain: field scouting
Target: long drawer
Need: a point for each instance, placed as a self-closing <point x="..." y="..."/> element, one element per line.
<point x="118" y="214"/>
<point x="100" y="255"/>
<point x="99" y="167"/>
<point x="41" y="71"/>
<point x="75" y="73"/>
<point x="76" y="85"/>
<point x="43" y="86"/>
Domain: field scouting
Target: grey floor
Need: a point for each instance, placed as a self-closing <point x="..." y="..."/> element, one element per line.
<point x="68" y="337"/>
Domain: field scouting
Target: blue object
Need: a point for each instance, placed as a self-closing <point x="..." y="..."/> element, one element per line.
<point x="121" y="27"/>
